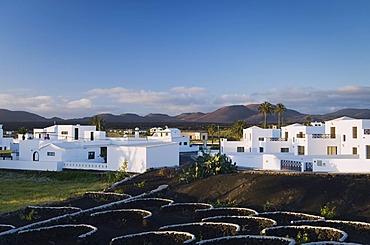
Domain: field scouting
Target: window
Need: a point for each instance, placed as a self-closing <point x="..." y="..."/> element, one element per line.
<point x="332" y="132"/>
<point x="319" y="163"/>
<point x="91" y="136"/>
<point x="239" y="149"/>
<point x="76" y="133"/>
<point x="331" y="150"/>
<point x="50" y="153"/>
<point x="104" y="153"/>
<point x="284" y="150"/>
<point x="91" y="155"/>
<point x="354" y="132"/>
<point x="185" y="143"/>
<point x="261" y="139"/>
<point x="368" y="152"/>
<point x="180" y="143"/>
<point x="286" y="135"/>
<point x="261" y="149"/>
<point x="344" y="137"/>
<point x="354" y="151"/>
<point x="64" y="132"/>
<point x="300" y="150"/>
<point x="1" y="148"/>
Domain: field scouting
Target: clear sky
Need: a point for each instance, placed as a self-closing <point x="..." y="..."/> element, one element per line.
<point x="72" y="58"/>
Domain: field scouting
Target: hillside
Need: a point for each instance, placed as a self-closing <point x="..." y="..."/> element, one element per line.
<point x="224" y="115"/>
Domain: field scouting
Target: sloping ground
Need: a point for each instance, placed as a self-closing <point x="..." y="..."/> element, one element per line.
<point x="269" y="191"/>
<point x="262" y="191"/>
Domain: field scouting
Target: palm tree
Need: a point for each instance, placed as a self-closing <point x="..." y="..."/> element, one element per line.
<point x="279" y="110"/>
<point x="237" y="129"/>
<point x="212" y="131"/>
<point x="265" y="108"/>
<point x="99" y="122"/>
<point x="23" y="131"/>
<point x="308" y="119"/>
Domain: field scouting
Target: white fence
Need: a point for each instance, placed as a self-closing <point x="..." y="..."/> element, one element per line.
<point x="31" y="165"/>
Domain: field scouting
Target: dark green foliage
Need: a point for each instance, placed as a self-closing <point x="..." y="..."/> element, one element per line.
<point x="208" y="165"/>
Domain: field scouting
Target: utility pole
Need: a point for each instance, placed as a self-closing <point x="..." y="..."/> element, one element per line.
<point x="219" y="140"/>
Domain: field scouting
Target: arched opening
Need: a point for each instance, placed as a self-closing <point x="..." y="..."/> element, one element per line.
<point x="35" y="156"/>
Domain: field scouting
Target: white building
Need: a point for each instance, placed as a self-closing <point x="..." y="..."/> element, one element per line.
<point x="5" y="145"/>
<point x="173" y="135"/>
<point x="341" y="145"/>
<point x="82" y="147"/>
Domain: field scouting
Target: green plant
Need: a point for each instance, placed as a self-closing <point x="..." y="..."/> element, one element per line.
<point x="120" y="174"/>
<point x="30" y="216"/>
<point x="268" y="206"/>
<point x="302" y="238"/>
<point x="119" y="191"/>
<point x="327" y="211"/>
<point x="207" y="165"/>
<point x="140" y="184"/>
<point x="227" y="203"/>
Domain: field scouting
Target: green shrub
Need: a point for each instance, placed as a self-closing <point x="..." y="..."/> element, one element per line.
<point x="327" y="211"/>
<point x="120" y="174"/>
<point x="208" y="165"/>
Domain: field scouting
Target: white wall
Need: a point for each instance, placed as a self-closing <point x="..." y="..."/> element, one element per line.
<point x="135" y="156"/>
<point x="342" y="165"/>
<point x="31" y="165"/>
<point x="247" y="160"/>
<point x="160" y="156"/>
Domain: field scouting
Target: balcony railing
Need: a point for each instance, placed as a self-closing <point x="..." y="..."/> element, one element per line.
<point x="278" y="139"/>
<point x="321" y="136"/>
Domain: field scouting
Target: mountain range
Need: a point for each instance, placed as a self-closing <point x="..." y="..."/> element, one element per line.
<point x="224" y="115"/>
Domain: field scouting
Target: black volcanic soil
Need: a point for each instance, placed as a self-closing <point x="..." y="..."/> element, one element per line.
<point x="262" y="191"/>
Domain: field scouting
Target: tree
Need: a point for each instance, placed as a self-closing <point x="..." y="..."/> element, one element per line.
<point x="211" y="131"/>
<point x="99" y="122"/>
<point x="23" y="131"/>
<point x="279" y="110"/>
<point x="308" y="119"/>
<point x="265" y="108"/>
<point x="237" y="129"/>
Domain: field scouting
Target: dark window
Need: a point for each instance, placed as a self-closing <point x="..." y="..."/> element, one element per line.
<point x="104" y="153"/>
<point x="344" y="137"/>
<point x="354" y="132"/>
<point x="300" y="150"/>
<point x="91" y="155"/>
<point x="239" y="149"/>
<point x="50" y="153"/>
<point x="354" y="150"/>
<point x="76" y="133"/>
<point x="185" y="143"/>
<point x="284" y="150"/>
<point x="92" y="136"/>
<point x="261" y="149"/>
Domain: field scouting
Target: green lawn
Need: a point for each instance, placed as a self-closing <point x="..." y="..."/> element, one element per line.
<point x="22" y="188"/>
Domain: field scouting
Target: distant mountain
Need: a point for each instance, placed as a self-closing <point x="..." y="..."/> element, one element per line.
<point x="224" y="115"/>
<point x="193" y="116"/>
<point x="19" y="116"/>
<point x="354" y="113"/>
<point x="228" y="114"/>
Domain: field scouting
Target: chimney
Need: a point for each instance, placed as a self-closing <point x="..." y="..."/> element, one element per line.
<point x="136" y="133"/>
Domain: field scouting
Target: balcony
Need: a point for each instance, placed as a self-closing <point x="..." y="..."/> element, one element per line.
<point x="322" y="136"/>
<point x="278" y="139"/>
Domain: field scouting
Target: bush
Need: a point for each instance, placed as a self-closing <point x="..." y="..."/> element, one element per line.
<point x="208" y="165"/>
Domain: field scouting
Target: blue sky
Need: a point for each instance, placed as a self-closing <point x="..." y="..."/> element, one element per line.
<point x="79" y="58"/>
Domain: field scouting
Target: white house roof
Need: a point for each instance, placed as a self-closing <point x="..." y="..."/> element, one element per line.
<point x="294" y="125"/>
<point x="342" y="118"/>
<point x="63" y="145"/>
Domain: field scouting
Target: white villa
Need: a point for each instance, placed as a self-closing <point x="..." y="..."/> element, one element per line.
<point x="173" y="135"/>
<point x="61" y="147"/>
<point x="339" y="145"/>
